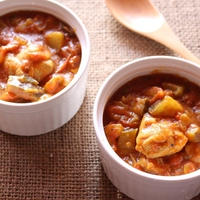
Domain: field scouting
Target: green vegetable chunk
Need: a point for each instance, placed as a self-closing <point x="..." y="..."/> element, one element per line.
<point x="126" y="141"/>
<point x="55" y="39"/>
<point x="177" y="90"/>
<point x="168" y="107"/>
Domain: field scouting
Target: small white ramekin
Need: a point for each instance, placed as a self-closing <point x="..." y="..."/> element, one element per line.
<point x="40" y="117"/>
<point x="130" y="181"/>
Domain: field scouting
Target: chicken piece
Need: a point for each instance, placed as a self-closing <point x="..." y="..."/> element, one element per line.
<point x="24" y="87"/>
<point x="159" y="137"/>
<point x="7" y="48"/>
<point x="42" y="69"/>
<point x="35" y="53"/>
<point x="12" y="65"/>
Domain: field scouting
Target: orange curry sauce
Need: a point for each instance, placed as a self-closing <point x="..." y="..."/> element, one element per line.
<point x="39" y="56"/>
<point x="153" y="124"/>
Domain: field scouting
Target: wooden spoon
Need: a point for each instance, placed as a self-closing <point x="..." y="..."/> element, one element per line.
<point x="142" y="17"/>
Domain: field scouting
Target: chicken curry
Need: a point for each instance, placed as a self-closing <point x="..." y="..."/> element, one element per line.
<point x="153" y="124"/>
<point x="39" y="56"/>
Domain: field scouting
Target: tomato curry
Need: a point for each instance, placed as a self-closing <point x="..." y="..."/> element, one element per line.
<point x="153" y="124"/>
<point x="39" y="56"/>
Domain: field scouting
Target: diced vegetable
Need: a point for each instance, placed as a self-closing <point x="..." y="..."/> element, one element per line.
<point x="55" y="39"/>
<point x="176" y="89"/>
<point x="189" y="167"/>
<point x="140" y="105"/>
<point x="126" y="141"/>
<point x="24" y="87"/>
<point x="74" y="63"/>
<point x="130" y="121"/>
<point x="185" y="119"/>
<point x="154" y="93"/>
<point x="113" y="132"/>
<point x="55" y="84"/>
<point x="2" y="55"/>
<point x="193" y="133"/>
<point x="175" y="159"/>
<point x="193" y="151"/>
<point x="168" y="107"/>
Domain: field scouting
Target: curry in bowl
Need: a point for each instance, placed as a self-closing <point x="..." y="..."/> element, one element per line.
<point x="39" y="56"/>
<point x="153" y="124"/>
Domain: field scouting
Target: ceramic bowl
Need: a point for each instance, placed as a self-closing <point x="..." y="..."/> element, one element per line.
<point x="130" y="181"/>
<point x="40" y="117"/>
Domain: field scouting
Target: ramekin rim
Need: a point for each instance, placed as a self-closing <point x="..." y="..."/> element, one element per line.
<point x="82" y="67"/>
<point x="106" y="146"/>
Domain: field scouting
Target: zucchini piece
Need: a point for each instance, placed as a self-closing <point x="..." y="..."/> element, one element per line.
<point x="176" y="89"/>
<point x="168" y="107"/>
<point x="126" y="141"/>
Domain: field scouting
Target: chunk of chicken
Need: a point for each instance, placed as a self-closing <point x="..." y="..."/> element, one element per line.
<point x="42" y="69"/>
<point x="7" y="48"/>
<point x="34" y="53"/>
<point x="24" y="87"/>
<point x="159" y="137"/>
<point x="13" y="65"/>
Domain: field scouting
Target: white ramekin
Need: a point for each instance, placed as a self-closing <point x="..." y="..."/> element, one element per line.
<point x="41" y="117"/>
<point x="130" y="181"/>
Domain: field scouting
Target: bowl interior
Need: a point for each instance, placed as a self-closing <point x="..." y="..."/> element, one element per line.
<point x="139" y="67"/>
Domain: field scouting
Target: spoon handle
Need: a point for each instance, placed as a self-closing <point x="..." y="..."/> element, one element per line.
<point x="167" y="37"/>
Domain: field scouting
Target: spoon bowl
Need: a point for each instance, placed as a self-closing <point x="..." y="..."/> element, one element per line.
<point x="142" y="17"/>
